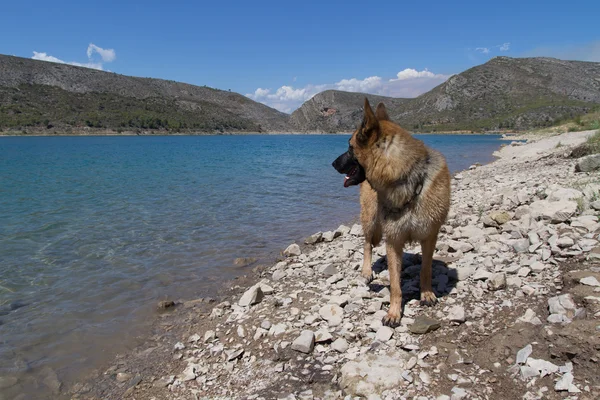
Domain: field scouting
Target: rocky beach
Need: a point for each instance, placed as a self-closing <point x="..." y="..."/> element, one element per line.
<point x="516" y="272"/>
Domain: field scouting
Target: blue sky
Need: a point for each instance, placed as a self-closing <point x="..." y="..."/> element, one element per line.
<point x="291" y="50"/>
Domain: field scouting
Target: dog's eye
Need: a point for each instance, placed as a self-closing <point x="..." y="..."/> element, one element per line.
<point x="351" y="150"/>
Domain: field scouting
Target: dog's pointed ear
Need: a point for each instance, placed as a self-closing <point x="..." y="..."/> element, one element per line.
<point x="381" y="113"/>
<point x="369" y="125"/>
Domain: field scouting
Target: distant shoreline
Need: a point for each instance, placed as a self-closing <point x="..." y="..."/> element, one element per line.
<point x="111" y="133"/>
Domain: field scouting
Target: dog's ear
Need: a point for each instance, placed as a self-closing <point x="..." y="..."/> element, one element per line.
<point x="381" y="113"/>
<point x="369" y="125"/>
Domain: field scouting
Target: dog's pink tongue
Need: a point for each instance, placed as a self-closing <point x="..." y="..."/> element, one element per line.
<point x="346" y="181"/>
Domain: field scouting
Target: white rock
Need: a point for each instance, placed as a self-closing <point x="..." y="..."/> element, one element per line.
<point x="292" y="250"/>
<point x="537" y="266"/>
<point x="497" y="281"/>
<point x="371" y="373"/>
<point x="545" y="367"/>
<point x="457" y="314"/>
<point x="356" y="230"/>
<point x="328" y="270"/>
<point x="564" y="382"/>
<point x="384" y="334"/>
<point x="323" y="336"/>
<point x="340" y="345"/>
<point x="332" y="313"/>
<point x="340" y="300"/>
<point x="178" y="346"/>
<point x="530" y="317"/>
<point x="305" y="342"/>
<point x="590" y="281"/>
<point x="481" y="275"/>
<point x="524" y="353"/>
<point x="279" y="275"/>
<point x="555" y="211"/>
<point x="277" y="329"/>
<point x="194" y="338"/>
<point x="252" y="296"/>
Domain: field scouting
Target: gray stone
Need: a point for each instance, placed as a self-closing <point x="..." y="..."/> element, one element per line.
<point x="278" y="329"/>
<point x="588" y="164"/>
<point x="463" y="273"/>
<point x="564" y="194"/>
<point x="424" y="324"/>
<point x="356" y="230"/>
<point x="252" y="296"/>
<point x="545" y="367"/>
<point x="233" y="354"/>
<point x="497" y="281"/>
<point x="292" y="250"/>
<point x="194" y="338"/>
<point x="529" y="372"/>
<point x="521" y="245"/>
<point x="328" y="236"/>
<point x="530" y="317"/>
<point x="563" y="304"/>
<point x="340" y="300"/>
<point x="481" y="275"/>
<point x="553" y="211"/>
<point x="558" y="319"/>
<point x="370" y="374"/>
<point x="457" y="314"/>
<point x="523" y="272"/>
<point x="564" y="382"/>
<point x="524" y="353"/>
<point x="332" y="313"/>
<point x="315" y="238"/>
<point x="323" y="336"/>
<point x="305" y="342"/>
<point x="595" y="205"/>
<point x="590" y="281"/>
<point x="565" y="241"/>
<point x="537" y="266"/>
<point x="340" y="345"/>
<point x="278" y="275"/>
<point x="328" y="270"/>
<point x="384" y="334"/>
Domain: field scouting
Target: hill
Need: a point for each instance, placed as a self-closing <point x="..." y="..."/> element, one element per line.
<point x="336" y="111"/>
<point x="504" y="93"/>
<point x="38" y="95"/>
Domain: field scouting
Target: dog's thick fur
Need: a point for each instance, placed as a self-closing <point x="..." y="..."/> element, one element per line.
<point x="404" y="194"/>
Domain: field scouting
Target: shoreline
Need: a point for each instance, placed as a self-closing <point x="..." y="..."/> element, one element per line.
<point x="228" y="350"/>
<point x="208" y="365"/>
<point x="162" y="133"/>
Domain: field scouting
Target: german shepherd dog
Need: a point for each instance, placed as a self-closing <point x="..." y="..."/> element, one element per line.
<point x="404" y="194"/>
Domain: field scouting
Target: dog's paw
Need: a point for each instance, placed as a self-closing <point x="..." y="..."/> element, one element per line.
<point x="428" y="299"/>
<point x="367" y="278"/>
<point x="391" y="320"/>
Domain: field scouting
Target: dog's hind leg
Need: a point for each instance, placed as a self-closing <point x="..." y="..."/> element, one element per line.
<point x="428" y="298"/>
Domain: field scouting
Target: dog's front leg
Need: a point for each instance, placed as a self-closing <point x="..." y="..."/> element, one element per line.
<point x="394" y="258"/>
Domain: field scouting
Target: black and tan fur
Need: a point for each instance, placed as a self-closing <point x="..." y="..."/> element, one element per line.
<point x="404" y="195"/>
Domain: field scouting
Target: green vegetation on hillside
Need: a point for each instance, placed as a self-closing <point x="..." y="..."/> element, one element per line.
<point x="49" y="106"/>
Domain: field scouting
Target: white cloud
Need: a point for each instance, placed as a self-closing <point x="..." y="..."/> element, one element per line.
<point x="484" y="50"/>
<point x="108" y="55"/>
<point x="505" y="47"/>
<point x="408" y="83"/>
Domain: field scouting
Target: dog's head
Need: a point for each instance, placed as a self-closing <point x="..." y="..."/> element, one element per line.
<point x="353" y="162"/>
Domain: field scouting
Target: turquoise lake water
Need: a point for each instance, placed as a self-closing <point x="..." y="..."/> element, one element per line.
<point x="95" y="230"/>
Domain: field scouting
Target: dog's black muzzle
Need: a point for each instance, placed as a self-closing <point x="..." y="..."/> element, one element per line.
<point x="348" y="164"/>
